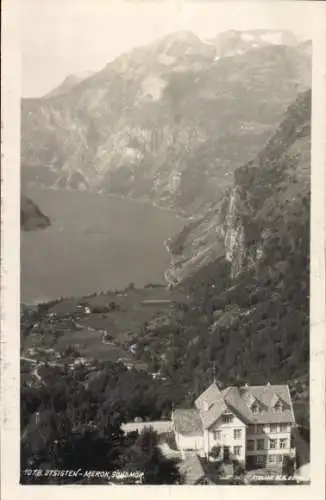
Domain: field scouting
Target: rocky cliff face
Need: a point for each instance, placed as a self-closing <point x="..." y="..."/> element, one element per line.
<point x="168" y="122"/>
<point x="245" y="268"/>
<point x="249" y="221"/>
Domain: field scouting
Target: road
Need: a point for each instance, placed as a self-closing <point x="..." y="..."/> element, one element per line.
<point x="30" y="360"/>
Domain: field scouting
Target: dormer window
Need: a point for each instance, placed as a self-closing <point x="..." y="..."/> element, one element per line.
<point x="278" y="404"/>
<point x="255" y="408"/>
<point x="278" y="407"/>
<point x="254" y="404"/>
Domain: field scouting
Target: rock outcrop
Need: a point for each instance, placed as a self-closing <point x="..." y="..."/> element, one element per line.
<point x="264" y="201"/>
<point x="31" y="216"/>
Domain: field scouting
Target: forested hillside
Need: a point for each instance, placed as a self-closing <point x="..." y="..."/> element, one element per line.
<point x="249" y="305"/>
<point x="246" y="317"/>
<point x="71" y="421"/>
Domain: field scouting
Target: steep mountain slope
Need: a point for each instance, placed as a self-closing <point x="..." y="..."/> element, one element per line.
<point x="234" y="42"/>
<point x="277" y="179"/>
<point x="166" y="122"/>
<point x="249" y="305"/>
<point x="68" y="84"/>
<point x="31" y="216"/>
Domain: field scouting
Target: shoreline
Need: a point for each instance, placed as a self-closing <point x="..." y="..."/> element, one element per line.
<point x="166" y="282"/>
<point x="144" y="201"/>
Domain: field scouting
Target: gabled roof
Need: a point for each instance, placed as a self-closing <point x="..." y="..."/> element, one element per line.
<point x="276" y="398"/>
<point x="210" y="395"/>
<point x="250" y="399"/>
<point x="215" y="411"/>
<point x="233" y="399"/>
<point x="239" y="400"/>
<point x="268" y="395"/>
<point x="187" y="422"/>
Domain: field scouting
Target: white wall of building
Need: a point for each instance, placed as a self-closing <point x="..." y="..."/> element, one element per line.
<point x="222" y="434"/>
<point x="266" y="435"/>
<point x="189" y="442"/>
<point x="227" y="437"/>
<point x="159" y="426"/>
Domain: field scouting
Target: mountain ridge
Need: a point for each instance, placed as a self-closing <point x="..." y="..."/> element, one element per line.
<point x="164" y="122"/>
<point x="68" y="84"/>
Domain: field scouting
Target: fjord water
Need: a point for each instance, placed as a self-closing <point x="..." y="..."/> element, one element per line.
<point x="95" y="243"/>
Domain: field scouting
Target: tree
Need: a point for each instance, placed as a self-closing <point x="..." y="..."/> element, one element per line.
<point x="215" y="452"/>
<point x="288" y="466"/>
<point x="146" y="457"/>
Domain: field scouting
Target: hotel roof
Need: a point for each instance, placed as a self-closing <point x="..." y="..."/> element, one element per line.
<point x="213" y="402"/>
<point x="187" y="422"/>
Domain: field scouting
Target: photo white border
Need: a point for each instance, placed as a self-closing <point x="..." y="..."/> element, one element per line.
<point x="10" y="292"/>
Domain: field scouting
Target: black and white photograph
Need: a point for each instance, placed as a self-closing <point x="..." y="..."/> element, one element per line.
<point x="165" y="221"/>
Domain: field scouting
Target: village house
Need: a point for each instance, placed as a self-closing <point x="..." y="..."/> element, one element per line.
<point x="250" y="424"/>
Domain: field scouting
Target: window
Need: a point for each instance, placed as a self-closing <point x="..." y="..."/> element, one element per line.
<point x="279" y="458"/>
<point x="255" y="408"/>
<point x="227" y="418"/>
<point x="278" y="407"/>
<point x="250" y="445"/>
<point x="251" y="429"/>
<point x="260" y="444"/>
<point x="259" y="428"/>
<point x="283" y="443"/>
<point x="273" y="427"/>
<point x="283" y="427"/>
<point x="217" y="435"/>
<point x="260" y="459"/>
<point x="237" y="434"/>
<point x="273" y="444"/>
<point x="271" y="459"/>
<point x="237" y="450"/>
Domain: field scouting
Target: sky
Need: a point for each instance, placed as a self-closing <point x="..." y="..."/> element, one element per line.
<point x="62" y="37"/>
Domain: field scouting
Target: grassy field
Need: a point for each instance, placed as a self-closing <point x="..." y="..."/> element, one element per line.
<point x="128" y="299"/>
<point x="103" y="335"/>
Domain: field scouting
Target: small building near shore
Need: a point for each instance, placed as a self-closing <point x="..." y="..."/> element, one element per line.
<point x="159" y="426"/>
<point x="156" y="302"/>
